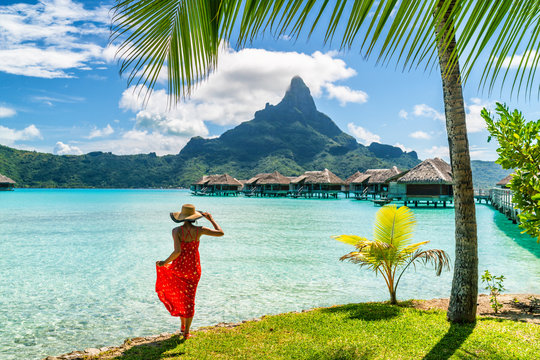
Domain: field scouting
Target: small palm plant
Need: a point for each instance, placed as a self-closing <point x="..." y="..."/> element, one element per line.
<point x="391" y="251"/>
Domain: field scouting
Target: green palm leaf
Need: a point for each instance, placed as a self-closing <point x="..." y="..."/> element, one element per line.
<point x="349" y="239"/>
<point x="394" y="226"/>
<point x="185" y="35"/>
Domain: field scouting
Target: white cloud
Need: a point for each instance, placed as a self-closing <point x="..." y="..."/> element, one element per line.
<point x="64" y="149"/>
<point x="344" y="94"/>
<point x="6" y="112"/>
<point x="138" y="142"/>
<point x="475" y="122"/>
<point x="246" y="80"/>
<point x="437" y="151"/>
<point x="482" y="153"/>
<point x="10" y="136"/>
<point x="403" y="114"/>
<point x="427" y="111"/>
<point x="106" y="131"/>
<point x="420" y="135"/>
<point x="364" y="136"/>
<point x="513" y="63"/>
<point x="109" y="53"/>
<point x="47" y="39"/>
<point x="402" y="147"/>
<point x="159" y="117"/>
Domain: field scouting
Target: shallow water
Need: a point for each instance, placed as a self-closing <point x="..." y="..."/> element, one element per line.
<point x="77" y="266"/>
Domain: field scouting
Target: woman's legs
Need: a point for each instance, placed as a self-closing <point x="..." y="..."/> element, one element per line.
<point x="187" y="324"/>
<point x="183" y="326"/>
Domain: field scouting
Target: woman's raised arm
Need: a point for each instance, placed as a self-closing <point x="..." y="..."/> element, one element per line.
<point x="217" y="231"/>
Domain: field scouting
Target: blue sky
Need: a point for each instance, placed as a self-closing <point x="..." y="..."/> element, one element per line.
<point x="60" y="91"/>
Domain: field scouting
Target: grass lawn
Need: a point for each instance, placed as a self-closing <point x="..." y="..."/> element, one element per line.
<point x="355" y="331"/>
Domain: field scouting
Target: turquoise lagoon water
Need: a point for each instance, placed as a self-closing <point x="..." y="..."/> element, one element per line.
<point x="77" y="266"/>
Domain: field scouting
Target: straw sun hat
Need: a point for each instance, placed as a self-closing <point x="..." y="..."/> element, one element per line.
<point x="188" y="213"/>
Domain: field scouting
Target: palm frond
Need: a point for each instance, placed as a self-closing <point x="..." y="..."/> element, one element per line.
<point x="438" y="258"/>
<point x="185" y="35"/>
<point x="362" y="259"/>
<point x="405" y="31"/>
<point x="394" y="225"/>
<point x="349" y="239"/>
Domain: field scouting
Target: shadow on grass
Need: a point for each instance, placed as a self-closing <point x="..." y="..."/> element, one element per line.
<point x="451" y="342"/>
<point x="367" y="311"/>
<point x="153" y="350"/>
<point x="344" y="354"/>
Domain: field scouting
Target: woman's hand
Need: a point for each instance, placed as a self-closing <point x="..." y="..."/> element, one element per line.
<point x="160" y="263"/>
<point x="207" y="215"/>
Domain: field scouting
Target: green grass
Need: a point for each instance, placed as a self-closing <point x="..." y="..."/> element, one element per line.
<point x="355" y="331"/>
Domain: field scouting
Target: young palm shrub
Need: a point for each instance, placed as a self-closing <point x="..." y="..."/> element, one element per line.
<point x="390" y="252"/>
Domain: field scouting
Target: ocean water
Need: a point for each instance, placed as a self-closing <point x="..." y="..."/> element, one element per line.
<point x="77" y="267"/>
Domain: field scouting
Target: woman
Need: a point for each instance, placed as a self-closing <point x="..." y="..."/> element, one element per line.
<point x="176" y="283"/>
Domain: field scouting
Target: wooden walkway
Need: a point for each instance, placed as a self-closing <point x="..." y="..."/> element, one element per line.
<point x="501" y="199"/>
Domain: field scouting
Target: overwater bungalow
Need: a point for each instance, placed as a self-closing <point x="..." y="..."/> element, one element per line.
<point x="322" y="184"/>
<point x="358" y="185"/>
<point x="347" y="187"/>
<point x="6" y="184"/>
<point x="379" y="180"/>
<point x="430" y="182"/>
<point x="219" y="184"/>
<point x="372" y="182"/>
<point x="505" y="182"/>
<point x="267" y="184"/>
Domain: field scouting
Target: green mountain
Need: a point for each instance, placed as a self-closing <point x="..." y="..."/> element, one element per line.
<point x="487" y="173"/>
<point x="290" y="137"/>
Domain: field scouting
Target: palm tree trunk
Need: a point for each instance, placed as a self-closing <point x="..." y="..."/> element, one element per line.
<point x="464" y="292"/>
<point x="393" y="299"/>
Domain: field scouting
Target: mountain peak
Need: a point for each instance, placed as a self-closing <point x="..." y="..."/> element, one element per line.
<point x="298" y="95"/>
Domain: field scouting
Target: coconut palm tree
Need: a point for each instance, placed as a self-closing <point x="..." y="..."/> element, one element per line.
<point x="184" y="36"/>
<point x="390" y="252"/>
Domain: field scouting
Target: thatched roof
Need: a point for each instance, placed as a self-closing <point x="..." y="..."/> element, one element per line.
<point x="203" y="180"/>
<point x="352" y="177"/>
<point x="5" y="180"/>
<point x="218" y="179"/>
<point x="319" y="177"/>
<point x="360" y="178"/>
<point x="377" y="176"/>
<point x="504" y="182"/>
<point x="269" y="178"/>
<point x="429" y="171"/>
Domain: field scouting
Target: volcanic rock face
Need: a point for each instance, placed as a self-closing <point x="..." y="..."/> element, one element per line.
<point x="293" y="128"/>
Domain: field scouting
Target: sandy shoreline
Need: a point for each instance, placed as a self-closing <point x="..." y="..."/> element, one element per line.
<point x="516" y="307"/>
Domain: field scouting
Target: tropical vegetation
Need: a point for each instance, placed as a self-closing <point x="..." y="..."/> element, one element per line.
<point x="391" y="252"/>
<point x="519" y="149"/>
<point x="185" y="37"/>
<point x="495" y="286"/>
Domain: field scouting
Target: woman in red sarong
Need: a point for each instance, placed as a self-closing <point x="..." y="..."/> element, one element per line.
<point x="176" y="283"/>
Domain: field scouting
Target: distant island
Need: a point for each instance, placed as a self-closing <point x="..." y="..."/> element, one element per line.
<point x="290" y="137"/>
